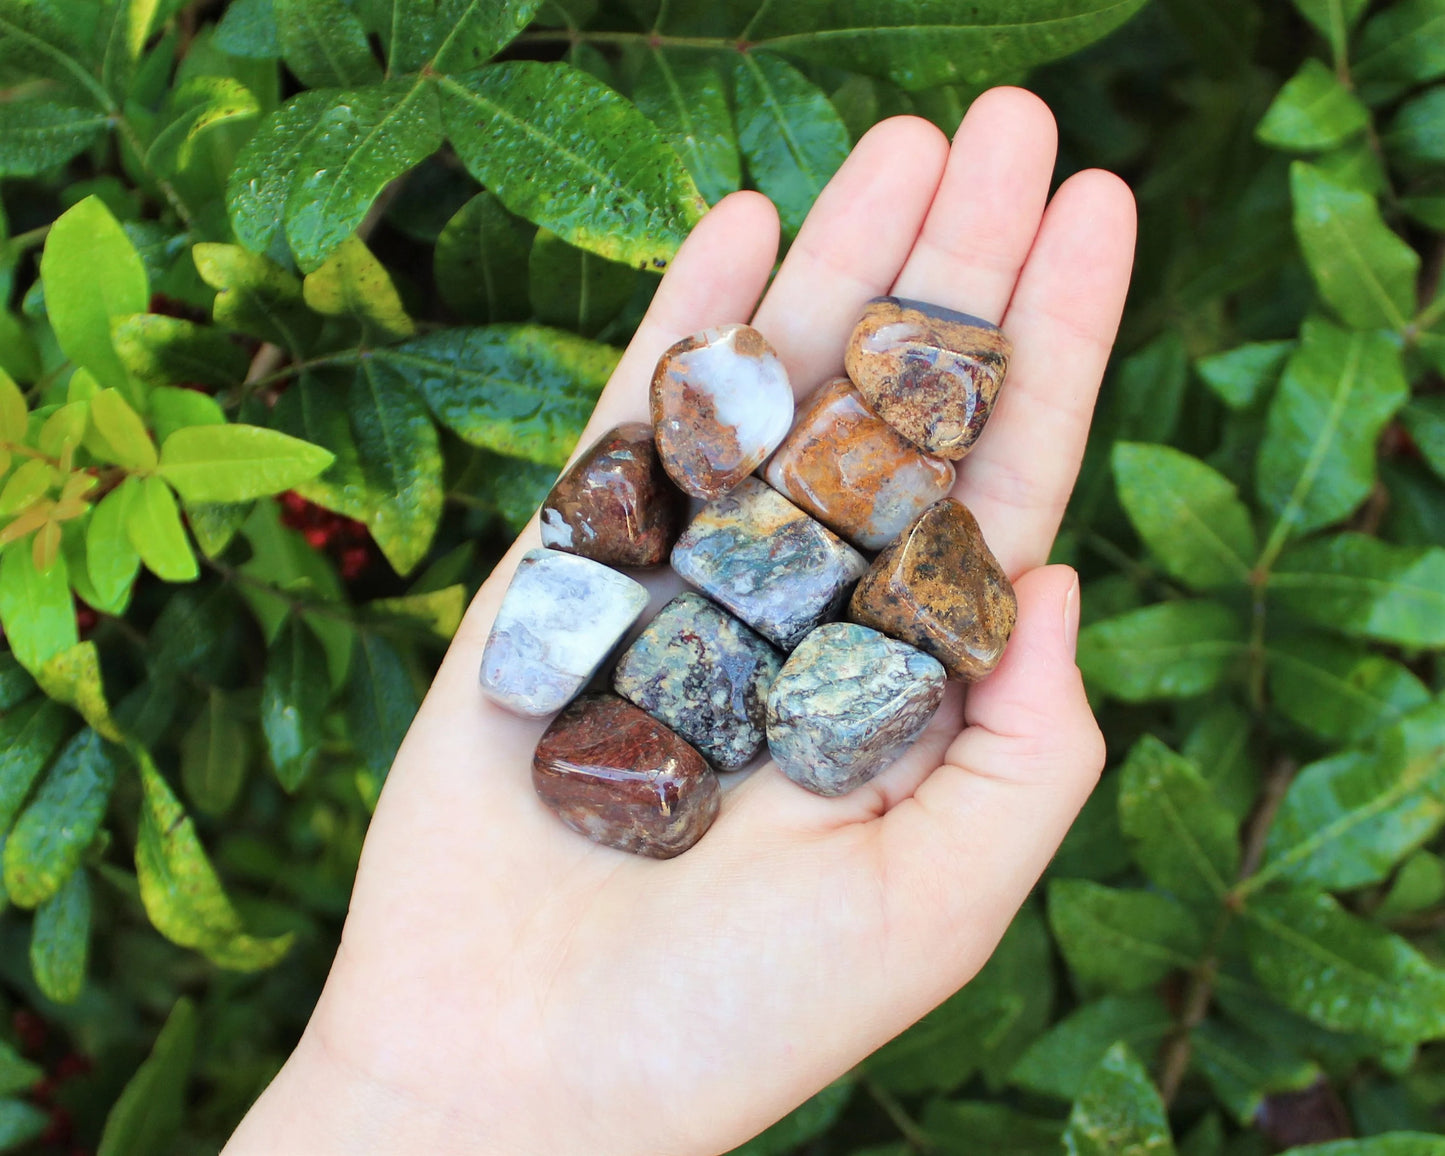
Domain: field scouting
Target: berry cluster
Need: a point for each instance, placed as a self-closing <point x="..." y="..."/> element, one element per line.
<point x="32" y="1034"/>
<point x="346" y="539"/>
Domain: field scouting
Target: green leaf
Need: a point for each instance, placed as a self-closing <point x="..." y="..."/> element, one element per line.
<point x="1120" y="941"/>
<point x="1242" y="375"/>
<point x="973" y="1128"/>
<point x="473" y="31"/>
<point x="234" y="463"/>
<point x="16" y="685"/>
<point x="1317" y="461"/>
<point x="1094" y="848"/>
<point x="1418" y="884"/>
<point x="21" y="1122"/>
<point x="202" y="105"/>
<point x="1188" y="514"/>
<point x="30" y="481"/>
<point x="315" y="410"/>
<point x="154" y="524"/>
<point x="92" y="273"/>
<point x="1392" y="1144"/>
<point x="568" y="153"/>
<point x="1348" y="819"/>
<point x="1170" y="650"/>
<point x="789" y="132"/>
<point x="1334" y="19"/>
<point x="173" y="408"/>
<point x="166" y="351"/>
<point x="806" y="1122"/>
<point x="381" y="701"/>
<point x="1401" y="46"/>
<point x="1415" y="139"/>
<point x="14" y="413"/>
<point x="407" y="30"/>
<point x="1360" y="266"/>
<point x="575" y="289"/>
<point x="1183" y="839"/>
<point x="1424" y="420"/>
<point x="256" y="296"/>
<point x="36" y="38"/>
<point x="922" y="43"/>
<point x="1340" y="971"/>
<point x="36" y="135"/>
<point x="1312" y="111"/>
<point x="324" y="44"/>
<point x="247" y="29"/>
<point x="73" y="677"/>
<point x="1244" y="1069"/>
<point x="353" y="283"/>
<point x="439" y="612"/>
<point x="294" y="695"/>
<point x="36" y="610"/>
<point x="1362" y="586"/>
<point x="686" y="99"/>
<point x="522" y="390"/>
<point x="1059" y="1062"/>
<point x="60" y="940"/>
<point x="122" y="431"/>
<point x="64" y="427"/>
<point x="480" y="262"/>
<point x="1337" y="690"/>
<point x="16" y="1075"/>
<point x="215" y="752"/>
<point x="1220" y="746"/>
<point x="29" y="735"/>
<point x="110" y="559"/>
<point x="53" y="832"/>
<point x="1118" y="1112"/>
<point x="146" y="1117"/>
<point x="131" y="22"/>
<point x="265" y="170"/>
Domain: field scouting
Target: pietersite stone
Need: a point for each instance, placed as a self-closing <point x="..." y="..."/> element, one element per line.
<point x="775" y="567"/>
<point x="940" y="588"/>
<point x="623" y="779"/>
<point x="853" y="471"/>
<point x="615" y="504"/>
<point x="721" y="403"/>
<point x="701" y="672"/>
<point x="848" y="702"/>
<point x="559" y="620"/>
<point x="929" y="372"/>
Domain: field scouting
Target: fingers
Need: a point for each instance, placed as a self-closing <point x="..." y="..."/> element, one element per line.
<point x="1062" y="321"/>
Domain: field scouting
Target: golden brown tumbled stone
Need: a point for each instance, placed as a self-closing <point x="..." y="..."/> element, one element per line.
<point x="940" y="588"/>
<point x="929" y="372"/>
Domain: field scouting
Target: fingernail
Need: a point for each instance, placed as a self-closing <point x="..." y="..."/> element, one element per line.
<point x="1071" y="616"/>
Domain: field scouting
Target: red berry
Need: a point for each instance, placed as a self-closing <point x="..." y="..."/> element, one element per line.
<point x="59" y="1129"/>
<point x="355" y="561"/>
<point x="85" y="620"/>
<point x="294" y="502"/>
<point x="71" y="1066"/>
<point x="318" y="537"/>
<point x="43" y="1090"/>
<point x="31" y="1029"/>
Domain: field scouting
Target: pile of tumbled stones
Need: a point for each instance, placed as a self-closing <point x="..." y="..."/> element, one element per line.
<point x="758" y="656"/>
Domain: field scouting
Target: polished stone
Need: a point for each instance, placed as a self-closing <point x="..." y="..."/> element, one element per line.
<point x="940" y="588"/>
<point x="721" y="403"/>
<point x="615" y="503"/>
<point x="929" y="372"/>
<point x="758" y="555"/>
<point x="847" y="704"/>
<point x="700" y="671"/>
<point x="559" y="620"/>
<point x="853" y="471"/>
<point x="618" y="776"/>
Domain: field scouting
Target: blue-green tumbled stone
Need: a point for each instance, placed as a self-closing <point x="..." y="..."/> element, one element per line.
<point x="702" y="673"/>
<point x="847" y="703"/>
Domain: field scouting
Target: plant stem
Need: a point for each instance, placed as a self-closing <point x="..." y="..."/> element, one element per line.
<point x="907" y="1126"/>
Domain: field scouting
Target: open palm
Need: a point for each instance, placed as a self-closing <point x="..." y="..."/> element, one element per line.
<point x="505" y="986"/>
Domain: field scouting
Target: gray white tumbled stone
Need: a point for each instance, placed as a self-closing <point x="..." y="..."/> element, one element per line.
<point x="561" y="617"/>
<point x="847" y="703"/>
<point x="779" y="570"/>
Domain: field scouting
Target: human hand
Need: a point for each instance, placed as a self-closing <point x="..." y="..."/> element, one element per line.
<point x="504" y="985"/>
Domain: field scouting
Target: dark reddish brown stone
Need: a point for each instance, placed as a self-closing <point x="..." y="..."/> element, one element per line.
<point x="615" y="503"/>
<point x="615" y="774"/>
<point x="929" y="372"/>
<point x="940" y="588"/>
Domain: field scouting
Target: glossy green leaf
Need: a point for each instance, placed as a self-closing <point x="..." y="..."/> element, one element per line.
<point x="36" y="135"/>
<point x="14" y="413"/>
<point x="172" y="408"/>
<point x="1342" y="972"/>
<point x="16" y="685"/>
<point x="215" y="751"/>
<point x="110" y="559"/>
<point x="569" y="154"/>
<point x="92" y="273"/>
<point x="1220" y="746"/>
<point x="36" y="611"/>
<point x="60" y="940"/>
<point x="574" y="289"/>
<point x="480" y="262"/>
<point x="30" y="734"/>
<point x="1403" y="45"/>
<point x="315" y="410"/>
<point x="1241" y="376"/>
<point x="73" y="677"/>
<point x="16" y="1074"/>
<point x="20" y="1122"/>
<point x="31" y="480"/>
<point x="153" y="521"/>
<point x="234" y="463"/>
<point x="1183" y="839"/>
<point x="1360" y="266"/>
<point x="130" y="25"/>
<point x="65" y="427"/>
<point x="1120" y="941"/>
<point x="352" y="283"/>
<point x="1244" y="1069"/>
<point x="1424" y="419"/>
<point x="165" y="351"/>
<point x="1415" y="138"/>
<point x="146" y="1117"/>
<point x="1118" y="1112"/>
<point x="1060" y="1061"/>
<point x="38" y="39"/>
<point x="247" y="28"/>
<point x="407" y="29"/>
<point x="1170" y="650"/>
<point x="439" y="612"/>
<point x="1312" y="111"/>
<point x="256" y="296"/>
<point x="265" y="170"/>
<point x="685" y="97"/>
<point x="324" y="44"/>
<point x="1393" y="1144"/>
<point x="1418" y="884"/>
<point x="201" y="105"/>
<point x="522" y="390"/>
<point x="294" y="695"/>
<point x="124" y="434"/>
<point x="789" y="132"/>
<point x="381" y="701"/>
<point x="975" y="1128"/>
<point x="1337" y="690"/>
<point x="1317" y="460"/>
<point x="54" y="830"/>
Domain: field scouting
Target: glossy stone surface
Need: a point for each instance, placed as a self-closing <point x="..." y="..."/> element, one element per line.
<point x="848" y="702"/>
<point x="701" y="672"/>
<point x="721" y="403"/>
<point x="559" y="620"/>
<point x="940" y="588"/>
<point x="929" y="372"/>
<point x="779" y="570"/>
<point x="618" y="776"/>
<point x="615" y="503"/>
<point x="853" y="471"/>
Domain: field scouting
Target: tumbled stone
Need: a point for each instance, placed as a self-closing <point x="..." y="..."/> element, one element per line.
<point x="615" y="503"/>
<point x="721" y="403"/>
<point x="618" y="776"/>
<point x="779" y="570"/>
<point x="940" y="588"/>
<point x="929" y="372"/>
<point x="559" y="620"/>
<point x="848" y="702"/>
<point x="853" y="471"/>
<point x="701" y="672"/>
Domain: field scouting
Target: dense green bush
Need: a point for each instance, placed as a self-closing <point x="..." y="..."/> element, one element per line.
<point x="306" y="301"/>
